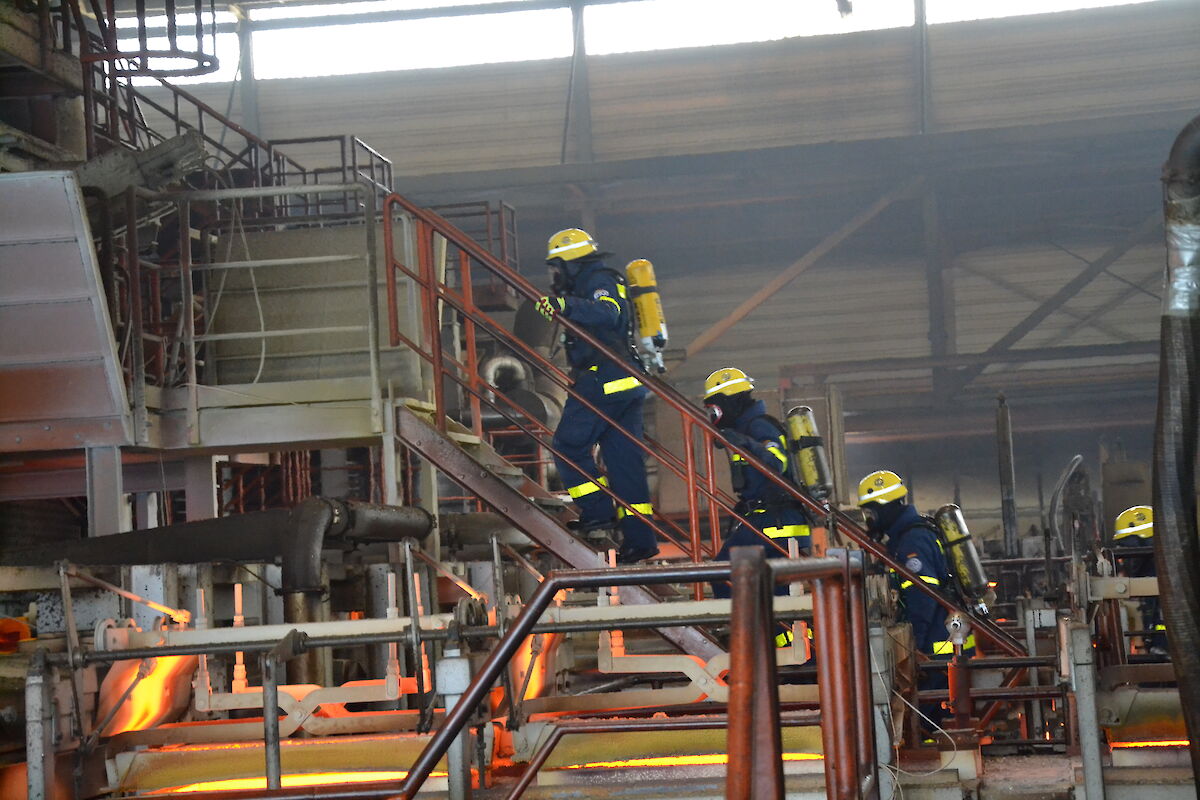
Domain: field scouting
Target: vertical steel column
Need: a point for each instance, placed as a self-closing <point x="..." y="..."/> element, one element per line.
<point x="1083" y="683"/>
<point x="39" y="729"/>
<point x="289" y="647"/>
<point x="838" y="731"/>
<point x="861" y="677"/>
<point x="454" y="677"/>
<point x="270" y="708"/>
<point x="755" y="768"/>
<point x="369" y="213"/>
<point x="137" y="357"/>
<point x="433" y="324"/>
<point x="1008" y="479"/>
<point x="105" y="491"/>
<point x="710" y="479"/>
<point x="183" y="210"/>
<point x="959" y="683"/>
<point x="693" y="501"/>
<point x="468" y="293"/>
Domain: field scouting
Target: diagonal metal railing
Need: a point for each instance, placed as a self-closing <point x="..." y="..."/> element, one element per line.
<point x="706" y="501"/>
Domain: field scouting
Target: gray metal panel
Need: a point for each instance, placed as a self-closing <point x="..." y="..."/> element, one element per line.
<point x="60" y="368"/>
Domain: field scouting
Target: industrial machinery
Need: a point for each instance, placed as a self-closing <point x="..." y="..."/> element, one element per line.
<point x="325" y="550"/>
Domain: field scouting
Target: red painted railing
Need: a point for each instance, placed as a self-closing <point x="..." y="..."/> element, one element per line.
<point x="707" y="503"/>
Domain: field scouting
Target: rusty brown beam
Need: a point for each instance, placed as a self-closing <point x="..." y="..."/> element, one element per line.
<point x="460" y="467"/>
<point x="1071" y="288"/>
<point x="823" y="248"/>
<point x="794" y="374"/>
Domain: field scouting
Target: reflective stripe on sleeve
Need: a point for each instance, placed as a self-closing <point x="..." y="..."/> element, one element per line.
<point x="621" y="385"/>
<point x="926" y="578"/>
<point x="613" y="301"/>
<point x="946" y="648"/>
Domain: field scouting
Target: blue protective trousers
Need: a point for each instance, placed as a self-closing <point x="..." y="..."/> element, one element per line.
<point x="620" y="397"/>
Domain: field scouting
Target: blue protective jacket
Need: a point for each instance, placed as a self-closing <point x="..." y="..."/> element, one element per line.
<point x="912" y="541"/>
<point x="755" y="433"/>
<point x="597" y="301"/>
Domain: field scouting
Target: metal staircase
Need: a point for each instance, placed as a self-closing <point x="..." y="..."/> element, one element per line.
<point x="448" y="333"/>
<point x="60" y="376"/>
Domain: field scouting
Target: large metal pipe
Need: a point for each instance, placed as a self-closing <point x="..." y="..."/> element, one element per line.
<point x="1176" y="541"/>
<point x="294" y="537"/>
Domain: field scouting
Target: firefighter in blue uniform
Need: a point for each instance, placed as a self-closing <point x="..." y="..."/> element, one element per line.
<point x="1134" y="527"/>
<point x="912" y="540"/>
<point x="594" y="297"/>
<point x="744" y="421"/>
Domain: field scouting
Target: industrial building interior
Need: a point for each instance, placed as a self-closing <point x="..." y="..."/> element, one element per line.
<point x="301" y="531"/>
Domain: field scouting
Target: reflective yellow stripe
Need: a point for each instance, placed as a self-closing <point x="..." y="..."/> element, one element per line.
<point x="947" y="648"/>
<point x="621" y="290"/>
<point x="593" y="368"/>
<point x="613" y="300"/>
<point x="783" y="639"/>
<point x="774" y="448"/>
<point x="584" y="489"/>
<point x="926" y="578"/>
<point x="787" y="531"/>
<point x="641" y="508"/>
<point x="1160" y="627"/>
<point x="736" y="457"/>
<point x="621" y="385"/>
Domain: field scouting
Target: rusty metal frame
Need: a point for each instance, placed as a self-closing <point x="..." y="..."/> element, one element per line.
<point x="830" y="578"/>
<point x="709" y="435"/>
<point x="790" y="273"/>
<point x="515" y="507"/>
<point x="1071" y="288"/>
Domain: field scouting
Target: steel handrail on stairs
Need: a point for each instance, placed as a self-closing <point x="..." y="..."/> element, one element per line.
<point x="700" y="491"/>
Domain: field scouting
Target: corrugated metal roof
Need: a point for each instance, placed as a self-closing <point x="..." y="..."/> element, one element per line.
<point x="1078" y="65"/>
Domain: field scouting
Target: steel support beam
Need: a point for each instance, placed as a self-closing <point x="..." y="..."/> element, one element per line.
<point x="106" y="508"/>
<point x="200" y="488"/>
<point x="799" y="374"/>
<point x="579" y="94"/>
<point x="1054" y="302"/>
<point x="852" y="226"/>
<point x="72" y="482"/>
<point x="1081" y="319"/>
<point x="460" y="467"/>
<point x="247" y="84"/>
<point x="939" y="281"/>
<point x="1083" y="683"/>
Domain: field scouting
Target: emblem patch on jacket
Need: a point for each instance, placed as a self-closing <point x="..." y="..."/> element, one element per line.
<point x="596" y="295"/>
<point x="914" y="564"/>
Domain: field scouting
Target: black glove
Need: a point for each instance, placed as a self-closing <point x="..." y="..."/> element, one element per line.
<point x="738" y="439"/>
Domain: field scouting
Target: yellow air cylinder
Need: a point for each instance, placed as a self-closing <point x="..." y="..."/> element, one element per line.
<point x="651" y="324"/>
<point x="961" y="554"/>
<point x="809" y="465"/>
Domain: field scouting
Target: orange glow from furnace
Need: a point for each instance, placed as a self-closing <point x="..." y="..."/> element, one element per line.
<point x="151" y="700"/>
<point x="523" y="658"/>
<point x="1162" y="743"/>
<point x="683" y="761"/>
<point x="291" y="780"/>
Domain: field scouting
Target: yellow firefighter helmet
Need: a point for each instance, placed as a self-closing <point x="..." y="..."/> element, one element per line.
<point x="727" y="381"/>
<point x="881" y="486"/>
<point x="570" y="244"/>
<point x="1135" y="521"/>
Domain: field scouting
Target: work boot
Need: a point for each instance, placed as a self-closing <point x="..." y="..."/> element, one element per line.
<point x="582" y="526"/>
<point x="634" y="556"/>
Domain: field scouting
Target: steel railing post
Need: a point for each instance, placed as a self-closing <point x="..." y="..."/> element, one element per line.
<point x="693" y="502"/>
<point x="373" y="309"/>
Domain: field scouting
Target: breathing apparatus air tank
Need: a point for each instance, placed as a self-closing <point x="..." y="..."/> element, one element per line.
<point x="650" y="334"/>
<point x="961" y="556"/>
<point x="808" y="464"/>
